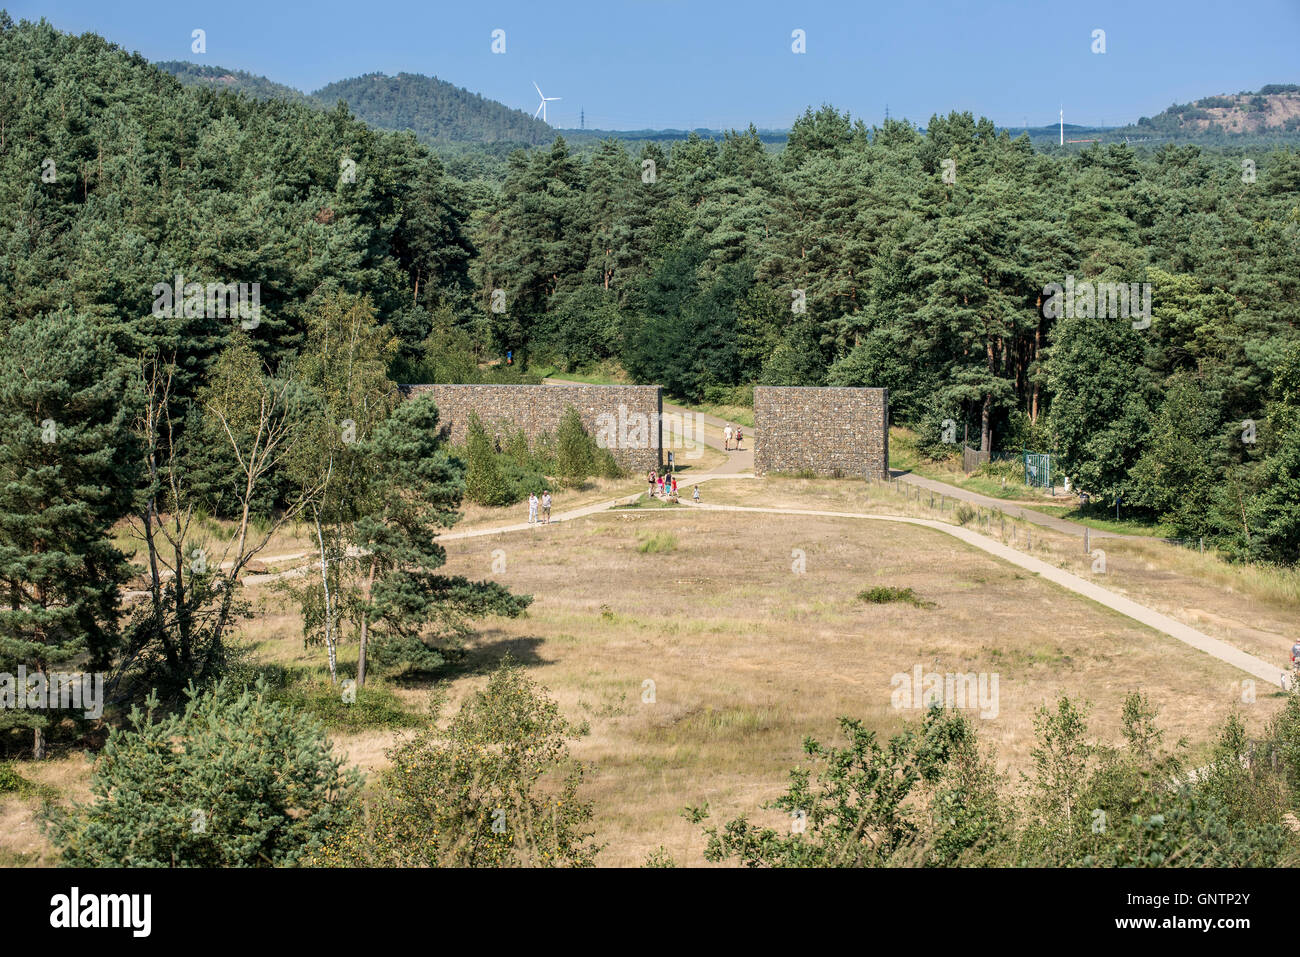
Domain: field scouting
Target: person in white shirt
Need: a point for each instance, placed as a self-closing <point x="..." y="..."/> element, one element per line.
<point x="532" y="508"/>
<point x="546" y="508"/>
<point x="726" y="438"/>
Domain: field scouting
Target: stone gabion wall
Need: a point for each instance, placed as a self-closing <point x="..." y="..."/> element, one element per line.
<point x="828" y="431"/>
<point x="539" y="408"/>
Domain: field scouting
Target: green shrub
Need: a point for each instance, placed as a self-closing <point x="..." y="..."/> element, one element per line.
<point x="659" y="857"/>
<point x="235" y="780"/>
<point x="931" y="796"/>
<point x="574" y="449"/>
<point x="518" y="451"/>
<point x="374" y="706"/>
<point x="11" y="782"/>
<point x="964" y="514"/>
<point x="742" y="395"/>
<point x="577" y="454"/>
<point x="496" y="789"/>
<point x="886" y="594"/>
<point x="931" y="432"/>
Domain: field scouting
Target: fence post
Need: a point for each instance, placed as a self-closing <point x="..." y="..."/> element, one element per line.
<point x="1087" y="540"/>
<point x="1202" y="544"/>
<point x="1004" y="527"/>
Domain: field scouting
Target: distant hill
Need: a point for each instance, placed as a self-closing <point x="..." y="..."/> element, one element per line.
<point x="219" y="78"/>
<point x="437" y="112"/>
<point x="453" y="119"/>
<point x="1274" y="109"/>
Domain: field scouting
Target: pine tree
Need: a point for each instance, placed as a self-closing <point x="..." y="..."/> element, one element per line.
<point x="573" y="448"/>
<point x="484" y="482"/>
<point x="414" y="615"/>
<point x="68" y="468"/>
<point x="234" y="780"/>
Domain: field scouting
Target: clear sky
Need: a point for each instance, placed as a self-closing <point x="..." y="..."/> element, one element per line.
<point x="634" y="64"/>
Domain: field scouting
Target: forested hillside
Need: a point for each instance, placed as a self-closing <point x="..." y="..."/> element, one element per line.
<point x="237" y="81"/>
<point x="146" y="179"/>
<point x="437" y="112"/>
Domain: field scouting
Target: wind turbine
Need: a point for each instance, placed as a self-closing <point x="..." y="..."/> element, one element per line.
<point x="541" y="108"/>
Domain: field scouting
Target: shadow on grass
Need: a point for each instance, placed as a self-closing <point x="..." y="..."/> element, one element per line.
<point x="480" y="657"/>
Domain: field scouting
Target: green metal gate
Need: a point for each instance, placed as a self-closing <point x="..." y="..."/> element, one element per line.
<point x="1038" y="469"/>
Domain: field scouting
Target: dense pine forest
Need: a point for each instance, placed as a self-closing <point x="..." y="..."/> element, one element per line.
<point x="881" y="256"/>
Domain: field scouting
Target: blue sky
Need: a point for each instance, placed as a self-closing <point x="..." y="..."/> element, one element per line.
<point x="701" y="63"/>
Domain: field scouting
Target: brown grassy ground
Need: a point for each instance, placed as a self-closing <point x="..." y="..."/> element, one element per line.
<point x="1256" y="609"/>
<point x="748" y="656"/>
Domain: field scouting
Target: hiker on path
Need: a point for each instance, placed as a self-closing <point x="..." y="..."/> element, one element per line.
<point x="532" y="508"/>
<point x="546" y="507"/>
<point x="738" y="438"/>
<point x="650" y="477"/>
<point x="660" y="484"/>
<point x="696" y="496"/>
<point x="726" y="438"/>
<point x="674" y="488"/>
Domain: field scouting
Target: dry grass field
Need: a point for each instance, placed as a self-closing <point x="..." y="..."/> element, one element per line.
<point x="748" y="656"/>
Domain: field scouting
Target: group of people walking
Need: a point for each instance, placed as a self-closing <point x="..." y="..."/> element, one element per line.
<point x="662" y="486"/>
<point x="545" y="502"/>
<point x="665" y="486"/>
<point x="728" y="434"/>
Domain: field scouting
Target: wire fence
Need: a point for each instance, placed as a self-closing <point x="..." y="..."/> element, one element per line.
<point x="1012" y="530"/>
